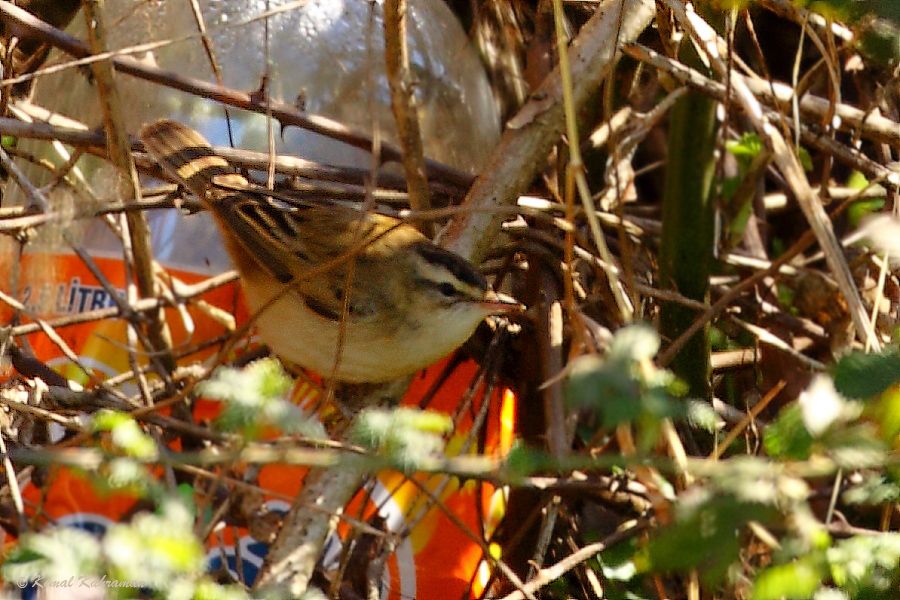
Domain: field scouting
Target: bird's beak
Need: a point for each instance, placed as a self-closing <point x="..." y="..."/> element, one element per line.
<point x="500" y="304"/>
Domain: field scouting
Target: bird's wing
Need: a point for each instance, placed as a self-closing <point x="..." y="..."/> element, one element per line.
<point x="293" y="244"/>
<point x="313" y="247"/>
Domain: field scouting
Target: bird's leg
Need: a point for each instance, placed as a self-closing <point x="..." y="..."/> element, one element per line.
<point x="357" y="396"/>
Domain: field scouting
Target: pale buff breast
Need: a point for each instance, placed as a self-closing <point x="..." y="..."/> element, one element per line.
<point x="368" y="353"/>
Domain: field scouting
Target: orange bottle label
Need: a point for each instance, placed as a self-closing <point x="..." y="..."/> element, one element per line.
<point x="72" y="289"/>
<point x="436" y="559"/>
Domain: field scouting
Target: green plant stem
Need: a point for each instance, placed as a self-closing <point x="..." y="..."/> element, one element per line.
<point x="687" y="230"/>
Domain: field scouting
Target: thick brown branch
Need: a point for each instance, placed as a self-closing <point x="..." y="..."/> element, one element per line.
<point x="531" y="134"/>
<point x="403" y="103"/>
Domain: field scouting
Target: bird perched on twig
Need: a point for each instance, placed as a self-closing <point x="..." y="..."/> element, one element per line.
<point x="408" y="301"/>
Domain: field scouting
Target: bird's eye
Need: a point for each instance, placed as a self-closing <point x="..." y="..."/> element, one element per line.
<point x="447" y="289"/>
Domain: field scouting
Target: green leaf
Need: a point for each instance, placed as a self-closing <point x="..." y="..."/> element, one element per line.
<point x="605" y="386"/>
<point x="863" y="376"/>
<point x="625" y="387"/>
<point x="795" y="580"/>
<point x="738" y="224"/>
<point x="55" y="553"/>
<point x="701" y="415"/>
<point x="787" y="437"/>
<point x="732" y="4"/>
<point x="866" y="563"/>
<point x="523" y="461"/>
<point x="874" y="489"/>
<point x="125" y="474"/>
<point x="209" y="590"/>
<point x="806" y="160"/>
<point x="165" y="543"/>
<point x="879" y="40"/>
<point x="755" y="480"/>
<point x="705" y="535"/>
<point x="857" y="180"/>
<point x="832" y="9"/>
<point x="633" y="344"/>
<point x="406" y="435"/>
<point x="886" y="412"/>
<point x="860" y="209"/>
<point x="855" y="447"/>
<point x="126" y="434"/>
<point x="745" y="149"/>
<point x="255" y="399"/>
<point x="617" y="562"/>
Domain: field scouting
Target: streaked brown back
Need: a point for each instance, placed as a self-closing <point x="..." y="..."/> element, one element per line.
<point x="285" y="241"/>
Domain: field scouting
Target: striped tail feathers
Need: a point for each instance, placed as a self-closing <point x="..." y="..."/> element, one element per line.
<point x="185" y="155"/>
<point x="243" y="220"/>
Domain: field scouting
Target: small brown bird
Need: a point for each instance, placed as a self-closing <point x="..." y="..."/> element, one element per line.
<point x="410" y="301"/>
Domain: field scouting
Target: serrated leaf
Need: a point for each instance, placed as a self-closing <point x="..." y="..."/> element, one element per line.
<point x="126" y="474"/>
<point x="165" y="543"/>
<point x="255" y="399"/>
<point x="701" y="415"/>
<point x="875" y="489"/>
<point x="634" y="343"/>
<point x="862" y="376"/>
<point x="624" y="387"/>
<point x="865" y="563"/>
<point x="856" y="447"/>
<point x="757" y="481"/>
<point x="787" y="437"/>
<point x="705" y="535"/>
<point x="603" y="386"/>
<point x="406" y="435"/>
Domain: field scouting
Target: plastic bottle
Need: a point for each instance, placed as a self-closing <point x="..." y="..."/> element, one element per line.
<point x="329" y="53"/>
<point x="326" y="55"/>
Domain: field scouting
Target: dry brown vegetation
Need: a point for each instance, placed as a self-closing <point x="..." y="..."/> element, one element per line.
<point x="725" y="174"/>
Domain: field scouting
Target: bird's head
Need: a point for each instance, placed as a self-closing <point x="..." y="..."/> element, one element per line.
<point x="452" y="293"/>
